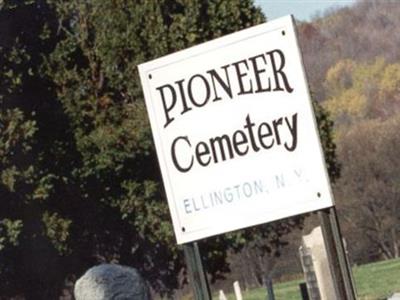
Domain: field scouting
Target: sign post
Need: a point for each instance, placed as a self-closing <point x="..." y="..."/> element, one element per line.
<point x="235" y="133"/>
<point x="336" y="254"/>
<point x="197" y="276"/>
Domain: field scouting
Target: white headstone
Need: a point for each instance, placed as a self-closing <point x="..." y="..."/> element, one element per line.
<point x="315" y="243"/>
<point x="238" y="292"/>
<point x="222" y="295"/>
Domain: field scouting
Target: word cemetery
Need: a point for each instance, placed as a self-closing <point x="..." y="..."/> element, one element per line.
<point x="251" y="137"/>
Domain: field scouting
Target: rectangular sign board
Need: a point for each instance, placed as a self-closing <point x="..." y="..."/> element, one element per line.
<point x="235" y="132"/>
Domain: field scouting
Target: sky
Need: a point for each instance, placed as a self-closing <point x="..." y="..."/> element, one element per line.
<point x="302" y="10"/>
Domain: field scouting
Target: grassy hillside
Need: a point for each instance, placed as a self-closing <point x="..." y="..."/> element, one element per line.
<point x="373" y="282"/>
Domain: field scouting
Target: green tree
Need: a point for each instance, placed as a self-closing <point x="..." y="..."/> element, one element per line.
<point x="29" y="123"/>
<point x="80" y="183"/>
<point x="94" y="68"/>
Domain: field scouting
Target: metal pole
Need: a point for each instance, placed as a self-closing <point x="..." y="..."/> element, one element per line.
<point x="197" y="276"/>
<point x="340" y="269"/>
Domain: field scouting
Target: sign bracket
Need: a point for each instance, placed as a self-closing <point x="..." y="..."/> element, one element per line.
<point x="197" y="275"/>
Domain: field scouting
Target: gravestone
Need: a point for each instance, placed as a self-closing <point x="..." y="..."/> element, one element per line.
<point x="109" y="281"/>
<point x="270" y="288"/>
<point x="304" y="291"/>
<point x="238" y="291"/>
<point x="222" y="295"/>
<point x="315" y="264"/>
<point x="309" y="273"/>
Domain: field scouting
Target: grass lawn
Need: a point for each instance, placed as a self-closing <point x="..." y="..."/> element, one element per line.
<point x="377" y="280"/>
<point x="373" y="281"/>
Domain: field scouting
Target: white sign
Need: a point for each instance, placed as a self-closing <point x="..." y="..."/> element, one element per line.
<point x="235" y="132"/>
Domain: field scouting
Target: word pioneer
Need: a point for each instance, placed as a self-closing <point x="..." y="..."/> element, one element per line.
<point x="252" y="75"/>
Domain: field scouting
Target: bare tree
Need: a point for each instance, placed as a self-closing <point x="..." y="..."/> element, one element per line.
<point x="369" y="190"/>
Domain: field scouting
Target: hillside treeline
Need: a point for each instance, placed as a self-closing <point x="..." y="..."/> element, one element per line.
<point x="353" y="65"/>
